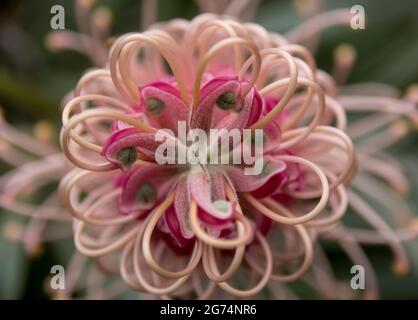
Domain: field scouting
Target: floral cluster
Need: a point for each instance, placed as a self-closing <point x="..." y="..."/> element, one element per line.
<point x="169" y="223"/>
<point x="205" y="230"/>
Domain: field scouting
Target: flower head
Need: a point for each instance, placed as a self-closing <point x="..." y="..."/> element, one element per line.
<point x="209" y="73"/>
<point x="195" y="229"/>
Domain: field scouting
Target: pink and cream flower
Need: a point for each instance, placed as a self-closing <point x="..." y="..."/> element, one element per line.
<point x="211" y="73"/>
<point x="108" y="228"/>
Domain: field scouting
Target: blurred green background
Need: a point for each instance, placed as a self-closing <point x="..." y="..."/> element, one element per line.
<point x="33" y="81"/>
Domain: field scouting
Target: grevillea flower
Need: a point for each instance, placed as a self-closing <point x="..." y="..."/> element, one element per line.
<point x="145" y="219"/>
<point x="210" y="217"/>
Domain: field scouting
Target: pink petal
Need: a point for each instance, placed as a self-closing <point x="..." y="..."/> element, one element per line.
<point x="294" y="174"/>
<point x="162" y="104"/>
<point x="283" y="198"/>
<point x="145" y="187"/>
<point x="255" y="104"/>
<point x="247" y="183"/>
<point x="173" y="224"/>
<point x="271" y="102"/>
<point x="251" y="110"/>
<point x="203" y="116"/>
<point x="272" y="184"/>
<point x="272" y="135"/>
<point x="119" y="179"/>
<point x="212" y="221"/>
<point x="181" y="206"/>
<point x="122" y="146"/>
<point x="263" y="223"/>
<point x="217" y="193"/>
<point x="199" y="185"/>
<point x="217" y="185"/>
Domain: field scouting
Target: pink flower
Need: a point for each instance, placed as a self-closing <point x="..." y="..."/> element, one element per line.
<point x="218" y="80"/>
<point x="139" y="216"/>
